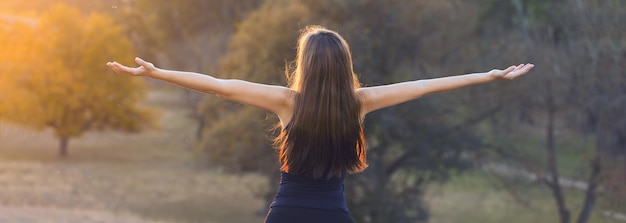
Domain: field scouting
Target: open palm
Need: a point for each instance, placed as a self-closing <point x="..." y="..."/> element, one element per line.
<point x="144" y="69"/>
<point x="512" y="72"/>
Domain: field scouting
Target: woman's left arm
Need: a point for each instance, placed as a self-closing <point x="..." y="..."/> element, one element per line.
<point x="444" y="84"/>
<point x="378" y="97"/>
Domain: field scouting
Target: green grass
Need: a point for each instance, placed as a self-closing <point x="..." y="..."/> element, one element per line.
<point x="155" y="176"/>
<point x="574" y="150"/>
<point x="479" y="197"/>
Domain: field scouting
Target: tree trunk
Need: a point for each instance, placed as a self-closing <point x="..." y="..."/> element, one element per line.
<point x="590" y="194"/>
<point x="554" y="184"/>
<point x="63" y="144"/>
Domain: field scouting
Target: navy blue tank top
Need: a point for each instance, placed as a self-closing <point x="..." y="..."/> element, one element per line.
<point x="307" y="192"/>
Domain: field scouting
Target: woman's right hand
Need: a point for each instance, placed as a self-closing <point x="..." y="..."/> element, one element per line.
<point x="144" y="69"/>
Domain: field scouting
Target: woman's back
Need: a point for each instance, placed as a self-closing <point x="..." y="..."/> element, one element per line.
<point x="303" y="191"/>
<point x="324" y="136"/>
<point x="305" y="199"/>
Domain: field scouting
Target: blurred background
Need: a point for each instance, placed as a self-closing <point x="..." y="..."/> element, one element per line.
<point x="79" y="143"/>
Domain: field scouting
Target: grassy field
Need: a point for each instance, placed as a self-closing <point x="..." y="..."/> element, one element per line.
<point x="151" y="175"/>
<point x="476" y="196"/>
<point x="154" y="177"/>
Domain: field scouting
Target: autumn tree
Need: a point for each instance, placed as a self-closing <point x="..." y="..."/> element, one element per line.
<point x="66" y="85"/>
<point x="34" y="6"/>
<point x="16" y="45"/>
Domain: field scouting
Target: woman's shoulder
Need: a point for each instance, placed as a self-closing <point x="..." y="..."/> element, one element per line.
<point x="290" y="101"/>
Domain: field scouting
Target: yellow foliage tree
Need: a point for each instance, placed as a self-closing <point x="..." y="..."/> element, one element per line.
<point x="65" y="84"/>
<point x="16" y="45"/>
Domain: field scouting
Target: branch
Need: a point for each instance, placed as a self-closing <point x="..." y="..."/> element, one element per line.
<point x="469" y="122"/>
<point x="590" y="194"/>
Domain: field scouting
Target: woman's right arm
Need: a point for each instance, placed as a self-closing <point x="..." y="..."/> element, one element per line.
<point x="269" y="97"/>
<point x="374" y="98"/>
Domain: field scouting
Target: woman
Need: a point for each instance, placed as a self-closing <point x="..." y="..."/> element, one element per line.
<point x="321" y="115"/>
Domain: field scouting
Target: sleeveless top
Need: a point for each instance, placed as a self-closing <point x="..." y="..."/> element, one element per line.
<point x="307" y="192"/>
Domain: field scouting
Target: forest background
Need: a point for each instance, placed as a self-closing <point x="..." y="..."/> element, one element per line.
<point x="80" y="142"/>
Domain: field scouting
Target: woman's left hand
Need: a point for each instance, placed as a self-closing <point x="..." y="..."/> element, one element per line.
<point x="512" y="72"/>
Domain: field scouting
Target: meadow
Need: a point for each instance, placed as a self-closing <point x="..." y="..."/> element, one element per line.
<point x="150" y="176"/>
<point x="154" y="177"/>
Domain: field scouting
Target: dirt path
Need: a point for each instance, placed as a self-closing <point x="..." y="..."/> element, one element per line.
<point x="45" y="215"/>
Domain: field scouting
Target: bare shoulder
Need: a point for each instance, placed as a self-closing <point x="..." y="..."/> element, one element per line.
<point x="286" y="112"/>
<point x="363" y="94"/>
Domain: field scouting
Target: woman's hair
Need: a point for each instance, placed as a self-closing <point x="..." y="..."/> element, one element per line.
<point x="324" y="137"/>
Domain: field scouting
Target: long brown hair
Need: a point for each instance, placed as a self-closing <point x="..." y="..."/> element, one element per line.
<point x="324" y="137"/>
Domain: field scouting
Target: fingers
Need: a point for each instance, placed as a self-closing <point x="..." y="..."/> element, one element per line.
<point x="114" y="66"/>
<point x="527" y="68"/>
<point x="120" y="69"/>
<point x="140" y="61"/>
<point x="143" y="63"/>
<point x="509" y="69"/>
<point x="519" y="71"/>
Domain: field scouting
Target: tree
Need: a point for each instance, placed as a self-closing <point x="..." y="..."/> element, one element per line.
<point x="38" y="6"/>
<point x="578" y="81"/>
<point x="66" y="85"/>
<point x="235" y="136"/>
<point x="185" y="34"/>
<point x="405" y="149"/>
<point x="16" y="38"/>
<point x="601" y="97"/>
<point x="422" y="141"/>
